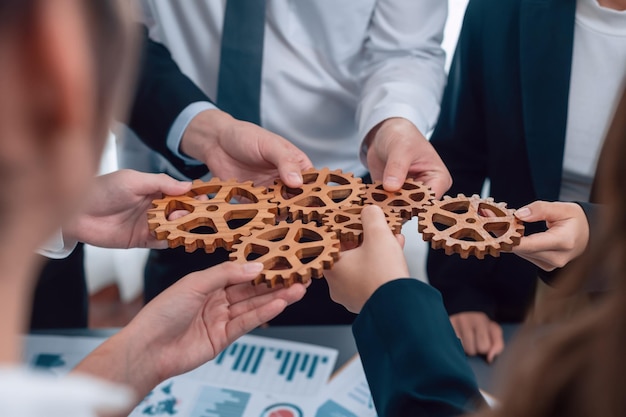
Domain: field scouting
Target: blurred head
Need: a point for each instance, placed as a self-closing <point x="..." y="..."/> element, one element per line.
<point x="61" y="63"/>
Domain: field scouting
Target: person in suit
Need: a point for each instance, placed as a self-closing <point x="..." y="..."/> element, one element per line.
<point x="415" y="364"/>
<point x="63" y="70"/>
<point x="529" y="97"/>
<point x="332" y="79"/>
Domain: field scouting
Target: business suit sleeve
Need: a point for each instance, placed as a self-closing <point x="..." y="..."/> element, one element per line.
<point x="163" y="92"/>
<point x="414" y="363"/>
<point x="460" y="140"/>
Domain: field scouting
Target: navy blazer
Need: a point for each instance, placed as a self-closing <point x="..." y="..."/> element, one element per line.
<point x="414" y="363"/>
<point x="163" y="92"/>
<point x="503" y="118"/>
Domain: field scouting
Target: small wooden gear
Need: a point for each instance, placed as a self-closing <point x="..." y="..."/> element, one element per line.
<point x="458" y="226"/>
<point x="408" y="201"/>
<point x="349" y="227"/>
<point x="290" y="252"/>
<point x="226" y="211"/>
<point x="323" y="190"/>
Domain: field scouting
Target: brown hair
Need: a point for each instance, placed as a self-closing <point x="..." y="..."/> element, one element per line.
<point x="576" y="365"/>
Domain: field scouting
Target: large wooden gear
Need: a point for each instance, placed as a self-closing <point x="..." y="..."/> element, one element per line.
<point x="290" y="252"/>
<point x="470" y="226"/>
<point x="408" y="201"/>
<point x="219" y="213"/>
<point x="322" y="191"/>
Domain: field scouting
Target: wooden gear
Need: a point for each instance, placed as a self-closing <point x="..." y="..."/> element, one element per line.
<point x="322" y="191"/>
<point x="349" y="227"/>
<point x="290" y="252"/>
<point x="408" y="201"/>
<point x="458" y="226"/>
<point x="225" y="201"/>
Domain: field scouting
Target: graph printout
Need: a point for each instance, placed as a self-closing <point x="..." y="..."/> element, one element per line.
<point x="347" y="394"/>
<point x="271" y="365"/>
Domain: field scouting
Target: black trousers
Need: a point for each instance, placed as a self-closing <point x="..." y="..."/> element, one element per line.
<point x="60" y="299"/>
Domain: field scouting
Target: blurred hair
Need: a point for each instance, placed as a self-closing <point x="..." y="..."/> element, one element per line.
<point x="110" y="41"/>
<point x="576" y="365"/>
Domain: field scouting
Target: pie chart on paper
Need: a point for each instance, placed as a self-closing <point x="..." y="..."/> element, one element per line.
<point x="282" y="410"/>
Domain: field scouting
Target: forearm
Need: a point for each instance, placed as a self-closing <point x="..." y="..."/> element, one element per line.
<point x="415" y="365"/>
<point x="120" y="360"/>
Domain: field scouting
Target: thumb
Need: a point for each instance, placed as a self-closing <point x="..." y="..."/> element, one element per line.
<point x="287" y="158"/>
<point x="534" y="212"/>
<point x="221" y="276"/>
<point x="374" y="222"/>
<point x="146" y="184"/>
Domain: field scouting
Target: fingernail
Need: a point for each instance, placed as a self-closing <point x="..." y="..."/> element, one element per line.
<point x="186" y="183"/>
<point x="295" y="177"/>
<point x="253" y="267"/>
<point x="393" y="181"/>
<point x="523" y="212"/>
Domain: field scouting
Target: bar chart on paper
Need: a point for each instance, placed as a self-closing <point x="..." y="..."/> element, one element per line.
<point x="270" y="365"/>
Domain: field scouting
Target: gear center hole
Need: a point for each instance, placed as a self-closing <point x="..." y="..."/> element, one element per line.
<point x="284" y="247"/>
<point x="470" y="220"/>
<point x="317" y="189"/>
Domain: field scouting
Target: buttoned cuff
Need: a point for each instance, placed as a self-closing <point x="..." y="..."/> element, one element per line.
<point x="175" y="134"/>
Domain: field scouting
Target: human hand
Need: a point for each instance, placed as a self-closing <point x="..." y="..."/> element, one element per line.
<point x="114" y="212"/>
<point x="397" y="150"/>
<point x="244" y="151"/>
<point x="566" y="238"/>
<point x="479" y="335"/>
<point x="188" y="324"/>
<point x="359" y="272"/>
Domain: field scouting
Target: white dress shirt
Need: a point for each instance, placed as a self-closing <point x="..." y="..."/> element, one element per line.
<point x="332" y="70"/>
<point x="597" y="81"/>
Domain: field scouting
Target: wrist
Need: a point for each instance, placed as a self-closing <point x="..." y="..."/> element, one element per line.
<point x="203" y="132"/>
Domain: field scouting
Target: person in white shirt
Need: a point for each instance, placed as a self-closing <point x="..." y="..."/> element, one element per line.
<point x="60" y="82"/>
<point x="337" y="80"/>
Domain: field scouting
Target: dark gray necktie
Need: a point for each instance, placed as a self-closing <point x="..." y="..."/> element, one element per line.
<point x="239" y="82"/>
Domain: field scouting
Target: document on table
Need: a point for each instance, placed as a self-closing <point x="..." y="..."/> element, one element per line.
<point x="255" y="376"/>
<point x="347" y="394"/>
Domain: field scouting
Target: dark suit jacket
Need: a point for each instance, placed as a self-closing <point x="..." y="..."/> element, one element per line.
<point x="414" y="363"/>
<point x="163" y="92"/>
<point x="503" y="117"/>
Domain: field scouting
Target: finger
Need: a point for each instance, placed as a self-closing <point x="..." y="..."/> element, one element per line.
<point x="290" y="295"/>
<point x="482" y="337"/>
<point x="397" y="166"/>
<point x="243" y="323"/>
<point x="548" y="211"/>
<point x="221" y="276"/>
<point x="287" y="158"/>
<point x="374" y="222"/>
<point x="468" y="340"/>
<point x="539" y="242"/>
<point x="401" y="240"/>
<point x="177" y="214"/>
<point x="497" y="341"/>
<point x="147" y="184"/>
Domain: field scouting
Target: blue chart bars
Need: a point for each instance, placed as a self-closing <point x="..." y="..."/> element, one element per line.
<point x="247" y="363"/>
<point x="218" y="402"/>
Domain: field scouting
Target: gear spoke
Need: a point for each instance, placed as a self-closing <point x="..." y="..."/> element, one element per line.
<point x="472" y="232"/>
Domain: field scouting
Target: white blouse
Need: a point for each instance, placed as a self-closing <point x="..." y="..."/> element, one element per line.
<point x="28" y="393"/>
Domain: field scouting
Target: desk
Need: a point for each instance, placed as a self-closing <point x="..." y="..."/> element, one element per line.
<point x="338" y="337"/>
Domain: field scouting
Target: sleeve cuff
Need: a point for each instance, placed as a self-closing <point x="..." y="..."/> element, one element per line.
<point x="57" y="247"/>
<point x="175" y="134"/>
